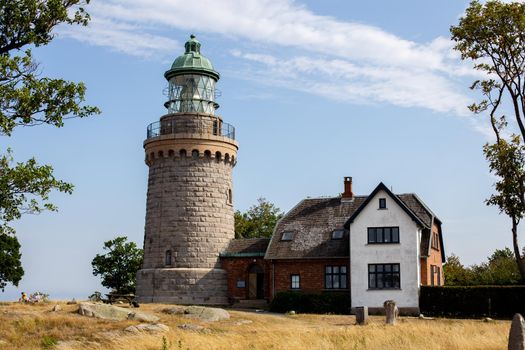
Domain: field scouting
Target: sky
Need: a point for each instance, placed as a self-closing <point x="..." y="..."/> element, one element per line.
<point x="317" y="90"/>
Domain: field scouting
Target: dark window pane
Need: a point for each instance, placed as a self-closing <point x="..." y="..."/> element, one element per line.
<point x="379" y="268"/>
<point x="343" y="281"/>
<point x="387" y="268"/>
<point x="379" y="281"/>
<point x="395" y="234"/>
<point x="371" y="268"/>
<point x="336" y="269"/>
<point x="395" y="267"/>
<point x="336" y="282"/>
<point x="329" y="269"/>
<point x="371" y="235"/>
<point x="328" y="282"/>
<point x="372" y="281"/>
<point x="343" y="269"/>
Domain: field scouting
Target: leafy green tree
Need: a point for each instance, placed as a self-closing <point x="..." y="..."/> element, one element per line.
<point x="455" y="273"/>
<point x="29" y="99"/>
<point x="11" y="270"/>
<point x="119" y="265"/>
<point x="492" y="35"/>
<point x="258" y="221"/>
<point x="499" y="269"/>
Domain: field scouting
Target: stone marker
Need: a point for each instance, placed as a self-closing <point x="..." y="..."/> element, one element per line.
<point x="174" y="310"/>
<point x="361" y="315"/>
<point x="517" y="333"/>
<point x="391" y="311"/>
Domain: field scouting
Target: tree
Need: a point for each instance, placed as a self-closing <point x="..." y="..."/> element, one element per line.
<point x="499" y="269"/>
<point x="456" y="274"/>
<point x="492" y="35"/>
<point x="11" y="270"/>
<point x="118" y="267"/>
<point x="258" y="221"/>
<point x="28" y="99"/>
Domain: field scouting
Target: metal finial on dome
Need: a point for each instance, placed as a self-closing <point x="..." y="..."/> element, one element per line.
<point x="193" y="45"/>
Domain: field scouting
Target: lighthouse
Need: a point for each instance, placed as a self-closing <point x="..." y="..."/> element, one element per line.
<point x="190" y="153"/>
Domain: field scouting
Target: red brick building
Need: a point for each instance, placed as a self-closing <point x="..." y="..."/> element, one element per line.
<point x="310" y="248"/>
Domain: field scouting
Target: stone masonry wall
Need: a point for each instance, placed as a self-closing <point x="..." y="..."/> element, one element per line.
<point x="187" y="212"/>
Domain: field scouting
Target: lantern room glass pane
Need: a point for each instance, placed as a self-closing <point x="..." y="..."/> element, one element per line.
<point x="191" y="93"/>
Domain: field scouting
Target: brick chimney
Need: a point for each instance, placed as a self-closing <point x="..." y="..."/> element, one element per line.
<point x="348" y="194"/>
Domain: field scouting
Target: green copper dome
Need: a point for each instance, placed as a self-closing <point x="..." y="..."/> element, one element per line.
<point x="192" y="62"/>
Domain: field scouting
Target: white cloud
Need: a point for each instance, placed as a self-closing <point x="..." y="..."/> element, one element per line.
<point x="318" y="54"/>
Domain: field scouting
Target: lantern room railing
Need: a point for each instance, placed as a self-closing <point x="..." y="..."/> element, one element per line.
<point x="172" y="127"/>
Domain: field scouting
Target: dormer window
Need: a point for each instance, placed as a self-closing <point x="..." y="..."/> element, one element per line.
<point x="382" y="203"/>
<point x="338" y="234"/>
<point x="287" y="236"/>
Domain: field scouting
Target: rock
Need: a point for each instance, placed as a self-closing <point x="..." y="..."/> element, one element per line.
<point x="391" y="311"/>
<point x="193" y="327"/>
<point x="423" y="317"/>
<point x="361" y="315"/>
<point x="110" y="312"/>
<point x="291" y="313"/>
<point x="72" y="302"/>
<point x="148" y="328"/>
<point x="174" y="310"/>
<point x="487" y="319"/>
<point x="142" y="316"/>
<point x="517" y="333"/>
<point x="207" y="314"/>
<point x="56" y="308"/>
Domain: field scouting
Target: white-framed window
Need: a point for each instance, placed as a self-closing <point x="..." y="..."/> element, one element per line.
<point x="295" y="281"/>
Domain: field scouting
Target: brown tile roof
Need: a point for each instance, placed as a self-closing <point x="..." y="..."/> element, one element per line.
<point x="246" y="247"/>
<point x="417" y="207"/>
<point x="313" y="220"/>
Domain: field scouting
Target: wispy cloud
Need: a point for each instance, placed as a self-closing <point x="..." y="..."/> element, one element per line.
<point x="317" y="54"/>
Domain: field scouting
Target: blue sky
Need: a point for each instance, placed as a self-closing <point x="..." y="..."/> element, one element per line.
<point x="316" y="90"/>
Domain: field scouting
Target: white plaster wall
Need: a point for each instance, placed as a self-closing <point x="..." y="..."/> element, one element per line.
<point x="406" y="253"/>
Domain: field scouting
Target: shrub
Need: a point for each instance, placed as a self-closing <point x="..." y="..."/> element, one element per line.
<point x="472" y="301"/>
<point x="48" y="342"/>
<point x="333" y="302"/>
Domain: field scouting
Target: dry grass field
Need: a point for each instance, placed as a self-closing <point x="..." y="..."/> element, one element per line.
<point x="36" y="327"/>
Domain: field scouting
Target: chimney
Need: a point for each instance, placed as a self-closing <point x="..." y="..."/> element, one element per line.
<point x="347" y="194"/>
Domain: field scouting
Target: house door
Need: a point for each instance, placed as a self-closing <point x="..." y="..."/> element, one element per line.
<point x="256" y="282"/>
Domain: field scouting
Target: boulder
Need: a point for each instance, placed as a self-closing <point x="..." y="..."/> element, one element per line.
<point x="56" y="308"/>
<point x="517" y="333"/>
<point x="175" y="310"/>
<point x="206" y="314"/>
<point x="193" y="327"/>
<point x="148" y="328"/>
<point x="110" y="312"/>
<point x="241" y="322"/>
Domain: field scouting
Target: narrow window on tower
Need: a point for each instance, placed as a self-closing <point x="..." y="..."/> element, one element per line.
<point x="167" y="258"/>
<point x="229" y="196"/>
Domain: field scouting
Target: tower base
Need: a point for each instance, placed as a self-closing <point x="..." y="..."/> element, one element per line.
<point x="182" y="286"/>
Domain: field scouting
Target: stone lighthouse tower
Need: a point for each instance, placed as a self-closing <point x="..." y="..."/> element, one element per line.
<point x="190" y="153"/>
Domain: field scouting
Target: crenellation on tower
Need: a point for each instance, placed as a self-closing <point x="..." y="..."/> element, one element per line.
<point x="190" y="153"/>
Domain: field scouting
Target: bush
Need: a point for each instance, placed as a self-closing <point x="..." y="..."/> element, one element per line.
<point x="472" y="301"/>
<point x="333" y="302"/>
